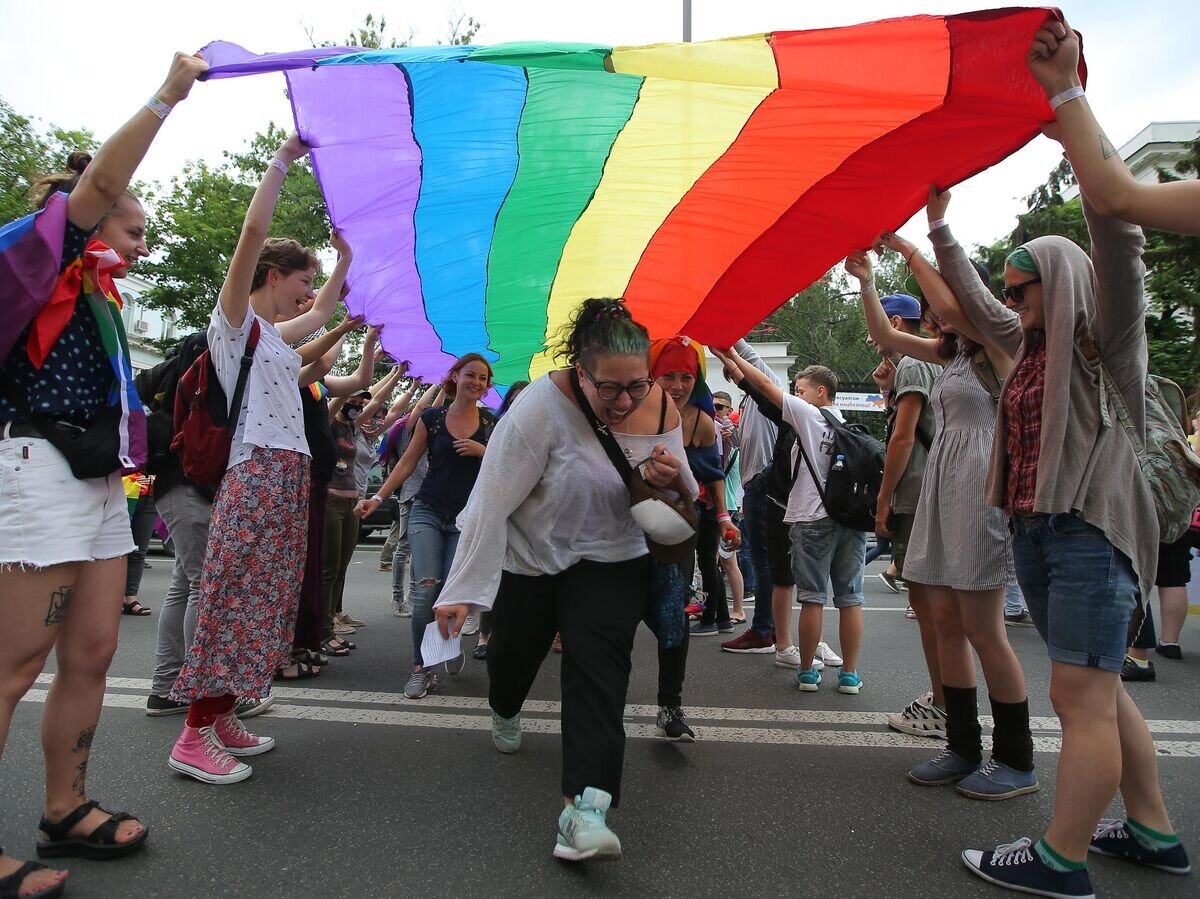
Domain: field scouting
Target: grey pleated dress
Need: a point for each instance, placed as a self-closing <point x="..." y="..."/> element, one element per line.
<point x="958" y="540"/>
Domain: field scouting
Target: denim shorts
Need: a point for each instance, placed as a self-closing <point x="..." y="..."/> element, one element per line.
<point x="1080" y="590"/>
<point x="824" y="551"/>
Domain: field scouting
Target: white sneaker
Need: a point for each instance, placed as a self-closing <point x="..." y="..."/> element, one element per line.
<point x="790" y="658"/>
<point x="921" y="718"/>
<point x="470" y="626"/>
<point x="405" y="610"/>
<point x="827" y="656"/>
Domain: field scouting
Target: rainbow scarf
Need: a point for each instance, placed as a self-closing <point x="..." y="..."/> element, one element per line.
<point x="681" y="353"/>
<point x="35" y="294"/>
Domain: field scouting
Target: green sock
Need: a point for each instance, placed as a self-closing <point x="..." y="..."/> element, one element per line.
<point x="1150" y="838"/>
<point x="1054" y="861"/>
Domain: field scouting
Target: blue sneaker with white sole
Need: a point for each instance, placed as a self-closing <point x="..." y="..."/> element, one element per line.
<point x="947" y="767"/>
<point x="1017" y="866"/>
<point x="1114" y="838"/>
<point x="808" y="681"/>
<point x="583" y="832"/>
<point x="995" y="780"/>
<point x="849" y="682"/>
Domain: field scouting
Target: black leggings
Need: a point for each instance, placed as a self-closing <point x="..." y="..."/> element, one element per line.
<point x="595" y="607"/>
<point x="708" y="535"/>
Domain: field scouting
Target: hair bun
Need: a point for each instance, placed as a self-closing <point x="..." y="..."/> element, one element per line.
<point x="78" y="160"/>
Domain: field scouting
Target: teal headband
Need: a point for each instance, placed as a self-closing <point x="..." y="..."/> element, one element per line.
<point x="1022" y="261"/>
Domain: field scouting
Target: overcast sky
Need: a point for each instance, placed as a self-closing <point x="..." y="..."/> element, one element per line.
<point x="91" y="65"/>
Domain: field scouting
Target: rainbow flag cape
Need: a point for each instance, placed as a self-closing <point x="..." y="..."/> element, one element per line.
<point x="487" y="190"/>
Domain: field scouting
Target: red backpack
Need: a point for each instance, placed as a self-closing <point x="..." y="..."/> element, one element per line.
<point x="205" y="420"/>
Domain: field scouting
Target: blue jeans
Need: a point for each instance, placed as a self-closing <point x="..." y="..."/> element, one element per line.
<point x="754" y="533"/>
<point x="825" y="551"/>
<point x="1080" y="589"/>
<point x="433" y="538"/>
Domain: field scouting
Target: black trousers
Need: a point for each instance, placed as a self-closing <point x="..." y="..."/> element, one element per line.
<point x="595" y="607"/>
<point x="708" y="536"/>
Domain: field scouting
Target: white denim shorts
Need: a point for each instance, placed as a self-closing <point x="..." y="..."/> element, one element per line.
<point x="48" y="517"/>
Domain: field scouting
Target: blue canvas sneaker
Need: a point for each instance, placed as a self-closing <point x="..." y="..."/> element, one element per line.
<point x="1017" y="866"/>
<point x="1114" y="838"/>
<point x="946" y="767"/>
<point x="995" y="780"/>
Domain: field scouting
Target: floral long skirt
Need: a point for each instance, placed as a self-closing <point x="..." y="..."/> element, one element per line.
<point x="248" y="591"/>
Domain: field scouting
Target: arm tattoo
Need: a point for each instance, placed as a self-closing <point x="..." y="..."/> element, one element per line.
<point x="84" y="743"/>
<point x="1106" y="147"/>
<point x="60" y="599"/>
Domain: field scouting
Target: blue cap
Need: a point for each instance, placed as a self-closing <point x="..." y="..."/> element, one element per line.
<point x="901" y="304"/>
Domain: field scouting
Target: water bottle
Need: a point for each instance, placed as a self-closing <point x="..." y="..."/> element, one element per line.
<point x="726" y="549"/>
<point x="839" y="464"/>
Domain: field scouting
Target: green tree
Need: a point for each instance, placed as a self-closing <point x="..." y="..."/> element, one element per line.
<point x="28" y="151"/>
<point x="1172" y="263"/>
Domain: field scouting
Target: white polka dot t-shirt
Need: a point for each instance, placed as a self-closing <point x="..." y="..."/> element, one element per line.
<point x="271" y="415"/>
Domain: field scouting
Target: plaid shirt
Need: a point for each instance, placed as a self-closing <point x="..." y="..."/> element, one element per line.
<point x="1023" y="427"/>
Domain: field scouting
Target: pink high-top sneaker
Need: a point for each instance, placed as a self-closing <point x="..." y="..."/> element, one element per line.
<point x="199" y="753"/>
<point x="237" y="740"/>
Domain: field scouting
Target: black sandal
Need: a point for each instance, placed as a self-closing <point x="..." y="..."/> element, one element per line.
<point x="100" y="844"/>
<point x="336" y="651"/>
<point x="304" y="671"/>
<point x="135" y="608"/>
<point x="10" y="886"/>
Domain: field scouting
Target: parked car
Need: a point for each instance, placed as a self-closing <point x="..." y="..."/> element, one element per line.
<point x="383" y="517"/>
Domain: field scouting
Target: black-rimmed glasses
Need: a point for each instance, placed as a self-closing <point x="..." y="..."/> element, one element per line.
<point x="1016" y="293"/>
<point x="610" y="390"/>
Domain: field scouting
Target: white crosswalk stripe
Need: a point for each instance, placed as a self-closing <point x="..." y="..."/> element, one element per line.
<point x="470" y="713"/>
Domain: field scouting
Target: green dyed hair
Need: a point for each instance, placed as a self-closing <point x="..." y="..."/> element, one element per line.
<point x="601" y="326"/>
<point x="1022" y="261"/>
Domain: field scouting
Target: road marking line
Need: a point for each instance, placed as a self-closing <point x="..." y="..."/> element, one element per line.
<point x="707" y="734"/>
<point x="542" y="706"/>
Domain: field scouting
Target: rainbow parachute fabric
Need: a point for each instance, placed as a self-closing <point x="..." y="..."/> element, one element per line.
<point x="487" y="190"/>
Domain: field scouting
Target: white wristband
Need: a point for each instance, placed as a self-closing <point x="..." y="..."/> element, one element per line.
<point x="1071" y="93"/>
<point x="279" y="165"/>
<point x="158" y="107"/>
<point x="937" y="223"/>
<point x="378" y="499"/>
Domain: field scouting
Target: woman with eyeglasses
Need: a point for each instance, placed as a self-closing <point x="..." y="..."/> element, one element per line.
<point x="549" y="545"/>
<point x="454" y="439"/>
<point x="1085" y="531"/>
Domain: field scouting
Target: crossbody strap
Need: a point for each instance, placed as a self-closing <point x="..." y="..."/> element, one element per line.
<point x="235" y="405"/>
<point x="603" y="434"/>
<point x="801" y="454"/>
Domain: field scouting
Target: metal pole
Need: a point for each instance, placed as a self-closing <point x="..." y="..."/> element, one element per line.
<point x="687" y="21"/>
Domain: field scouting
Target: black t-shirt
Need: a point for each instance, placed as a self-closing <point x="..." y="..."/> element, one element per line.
<point x="447" y="485"/>
<point x="319" y="435"/>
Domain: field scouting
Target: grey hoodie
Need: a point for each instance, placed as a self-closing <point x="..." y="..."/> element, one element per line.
<point x="1087" y="464"/>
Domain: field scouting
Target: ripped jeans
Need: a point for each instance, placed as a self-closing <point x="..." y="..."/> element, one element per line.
<point x="433" y="538"/>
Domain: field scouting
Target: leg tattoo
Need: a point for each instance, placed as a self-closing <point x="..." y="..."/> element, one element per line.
<point x="84" y="743"/>
<point x="79" y="784"/>
<point x="60" y="599"/>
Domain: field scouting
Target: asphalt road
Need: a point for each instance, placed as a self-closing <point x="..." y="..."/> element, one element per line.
<point x="368" y="794"/>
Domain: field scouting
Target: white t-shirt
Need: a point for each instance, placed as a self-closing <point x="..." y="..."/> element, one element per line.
<point x="547" y="496"/>
<point x="804" y="502"/>
<point x="271" y="415"/>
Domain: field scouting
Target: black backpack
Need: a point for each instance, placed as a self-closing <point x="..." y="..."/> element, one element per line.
<point x="852" y="487"/>
<point x="156" y="387"/>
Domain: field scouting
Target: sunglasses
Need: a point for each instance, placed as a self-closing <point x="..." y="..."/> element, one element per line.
<point x="721" y="407"/>
<point x="1016" y="292"/>
<point x="610" y="390"/>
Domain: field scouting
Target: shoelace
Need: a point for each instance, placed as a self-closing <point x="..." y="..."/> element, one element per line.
<point x="1016" y="853"/>
<point x="990" y="767"/>
<point x="214" y="748"/>
<point x="1110" y="827"/>
<point x="672" y="713"/>
<point x="234" y="724"/>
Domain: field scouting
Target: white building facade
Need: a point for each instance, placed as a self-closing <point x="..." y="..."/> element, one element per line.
<point x="143" y="324"/>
